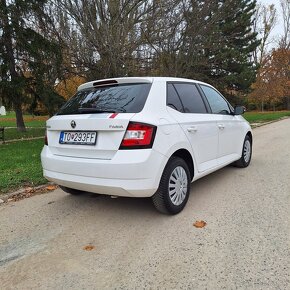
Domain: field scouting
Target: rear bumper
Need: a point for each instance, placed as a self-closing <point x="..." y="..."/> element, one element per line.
<point x="133" y="173"/>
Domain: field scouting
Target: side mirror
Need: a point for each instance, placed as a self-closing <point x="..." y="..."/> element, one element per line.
<point x="239" y="110"/>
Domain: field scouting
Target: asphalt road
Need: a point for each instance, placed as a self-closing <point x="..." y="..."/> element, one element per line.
<point x="245" y="245"/>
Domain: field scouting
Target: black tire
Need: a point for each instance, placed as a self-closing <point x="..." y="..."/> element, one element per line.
<point x="245" y="160"/>
<point x="161" y="199"/>
<point x="71" y="191"/>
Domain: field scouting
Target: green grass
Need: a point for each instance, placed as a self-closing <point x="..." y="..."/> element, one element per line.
<point x="30" y="121"/>
<point x="9" y="114"/>
<point x="258" y="117"/>
<point x="20" y="165"/>
<point x="12" y="133"/>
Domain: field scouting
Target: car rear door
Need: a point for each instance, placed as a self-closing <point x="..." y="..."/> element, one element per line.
<point x="186" y="105"/>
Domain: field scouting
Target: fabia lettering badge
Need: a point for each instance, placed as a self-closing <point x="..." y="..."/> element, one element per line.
<point x="116" y="127"/>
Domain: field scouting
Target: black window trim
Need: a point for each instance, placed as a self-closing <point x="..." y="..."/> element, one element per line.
<point x="231" y="109"/>
<point x="205" y="101"/>
<point x="171" y="83"/>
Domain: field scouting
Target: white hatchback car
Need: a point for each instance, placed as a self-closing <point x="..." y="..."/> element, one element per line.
<point x="144" y="137"/>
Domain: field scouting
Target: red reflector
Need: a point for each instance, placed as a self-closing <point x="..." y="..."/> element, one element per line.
<point x="138" y="135"/>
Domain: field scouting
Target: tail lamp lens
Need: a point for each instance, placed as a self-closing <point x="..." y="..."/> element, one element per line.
<point x="138" y="136"/>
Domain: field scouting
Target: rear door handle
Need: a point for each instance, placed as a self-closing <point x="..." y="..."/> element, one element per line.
<point x="192" y="129"/>
<point x="221" y="126"/>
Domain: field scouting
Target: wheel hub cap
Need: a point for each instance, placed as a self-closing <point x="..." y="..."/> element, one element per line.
<point x="178" y="185"/>
<point x="247" y="151"/>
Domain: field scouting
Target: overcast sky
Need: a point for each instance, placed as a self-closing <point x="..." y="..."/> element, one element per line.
<point x="278" y="30"/>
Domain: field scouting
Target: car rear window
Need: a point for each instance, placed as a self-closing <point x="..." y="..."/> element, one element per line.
<point x="122" y="98"/>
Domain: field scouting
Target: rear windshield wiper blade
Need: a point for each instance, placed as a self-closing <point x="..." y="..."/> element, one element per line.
<point x="94" y="110"/>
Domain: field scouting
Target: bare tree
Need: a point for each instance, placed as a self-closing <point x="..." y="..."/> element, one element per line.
<point x="285" y="39"/>
<point x="120" y="37"/>
<point x="264" y="22"/>
<point x="105" y="33"/>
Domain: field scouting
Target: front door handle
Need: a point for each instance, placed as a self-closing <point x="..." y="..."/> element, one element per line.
<point x="221" y="126"/>
<point x="192" y="129"/>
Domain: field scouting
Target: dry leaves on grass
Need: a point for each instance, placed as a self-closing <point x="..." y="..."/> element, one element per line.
<point x="199" y="224"/>
<point x="27" y="192"/>
<point x="88" y="248"/>
<point x="30" y="191"/>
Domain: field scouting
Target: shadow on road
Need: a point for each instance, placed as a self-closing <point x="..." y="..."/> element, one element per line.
<point x="94" y="204"/>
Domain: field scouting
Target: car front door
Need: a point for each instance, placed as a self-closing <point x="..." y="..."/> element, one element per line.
<point x="229" y="126"/>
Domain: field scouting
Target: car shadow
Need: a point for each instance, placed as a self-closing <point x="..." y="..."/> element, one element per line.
<point x="94" y="204"/>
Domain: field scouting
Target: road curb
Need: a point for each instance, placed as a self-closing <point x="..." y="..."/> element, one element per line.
<point x="5" y="197"/>
<point x="23" y="139"/>
<point x="257" y="125"/>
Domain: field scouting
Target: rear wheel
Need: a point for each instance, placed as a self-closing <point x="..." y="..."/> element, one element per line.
<point x="173" y="192"/>
<point x="71" y="190"/>
<point x="245" y="159"/>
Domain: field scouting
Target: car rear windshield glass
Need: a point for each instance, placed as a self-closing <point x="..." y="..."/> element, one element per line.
<point x="123" y="98"/>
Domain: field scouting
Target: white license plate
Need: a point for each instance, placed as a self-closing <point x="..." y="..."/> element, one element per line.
<point x="78" y="137"/>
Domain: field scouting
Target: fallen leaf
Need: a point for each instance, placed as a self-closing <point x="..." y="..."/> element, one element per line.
<point x="51" y="187"/>
<point x="199" y="224"/>
<point x="88" y="248"/>
<point x="29" y="190"/>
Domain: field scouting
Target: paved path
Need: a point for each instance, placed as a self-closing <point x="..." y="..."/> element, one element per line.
<point x="245" y="245"/>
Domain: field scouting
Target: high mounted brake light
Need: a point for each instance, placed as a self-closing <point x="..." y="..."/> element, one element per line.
<point x="105" y="83"/>
<point x="138" y="136"/>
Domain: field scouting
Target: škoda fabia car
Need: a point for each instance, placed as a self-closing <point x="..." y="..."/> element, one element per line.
<point x="144" y="137"/>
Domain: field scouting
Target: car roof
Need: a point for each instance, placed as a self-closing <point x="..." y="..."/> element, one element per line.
<point x="128" y="80"/>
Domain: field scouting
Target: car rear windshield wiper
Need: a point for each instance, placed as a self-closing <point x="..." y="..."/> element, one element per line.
<point x="94" y="110"/>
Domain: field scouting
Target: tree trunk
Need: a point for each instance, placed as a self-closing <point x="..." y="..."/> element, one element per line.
<point x="19" y="117"/>
<point x="288" y="102"/>
<point x="8" y="44"/>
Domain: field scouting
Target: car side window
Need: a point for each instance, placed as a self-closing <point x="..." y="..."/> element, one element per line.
<point x="217" y="103"/>
<point x="190" y="97"/>
<point x="173" y="99"/>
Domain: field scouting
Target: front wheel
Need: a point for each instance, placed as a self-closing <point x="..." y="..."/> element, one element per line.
<point x="245" y="159"/>
<point x="173" y="192"/>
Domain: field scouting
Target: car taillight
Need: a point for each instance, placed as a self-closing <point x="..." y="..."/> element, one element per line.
<point x="138" y="136"/>
<point x="45" y="138"/>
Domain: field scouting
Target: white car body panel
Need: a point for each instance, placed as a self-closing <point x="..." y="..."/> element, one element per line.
<point x="110" y="134"/>
<point x="134" y="174"/>
<point x="105" y="169"/>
